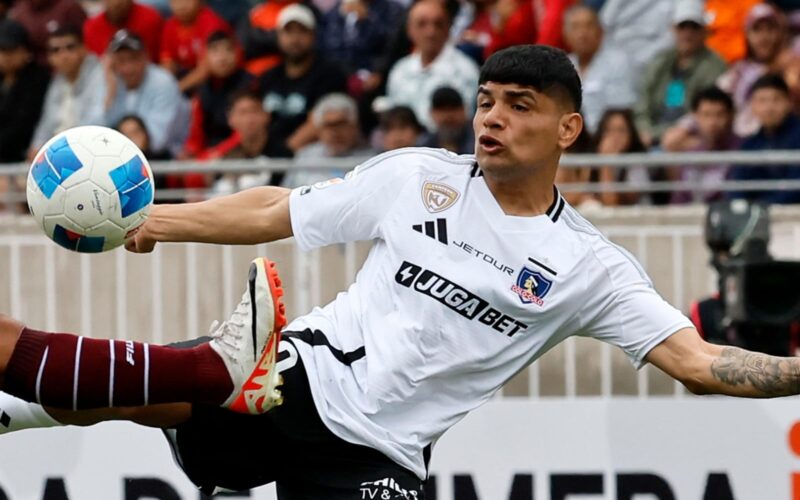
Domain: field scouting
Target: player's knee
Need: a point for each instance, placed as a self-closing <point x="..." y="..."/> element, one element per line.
<point x="9" y="329"/>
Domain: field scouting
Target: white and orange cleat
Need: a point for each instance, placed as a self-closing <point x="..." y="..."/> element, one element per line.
<point x="248" y="342"/>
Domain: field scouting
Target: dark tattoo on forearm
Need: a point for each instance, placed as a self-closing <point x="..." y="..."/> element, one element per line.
<point x="768" y="375"/>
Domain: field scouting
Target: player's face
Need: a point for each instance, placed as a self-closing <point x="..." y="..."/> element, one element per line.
<point x="518" y="129"/>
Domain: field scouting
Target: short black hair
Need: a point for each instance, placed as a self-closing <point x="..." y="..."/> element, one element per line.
<point x="400" y="116"/>
<point x="713" y="94"/>
<point x="67" y="30"/>
<point x="769" y="81"/>
<point x="446" y="98"/>
<point x="547" y="69"/>
<point x="243" y="93"/>
<point x="220" y="35"/>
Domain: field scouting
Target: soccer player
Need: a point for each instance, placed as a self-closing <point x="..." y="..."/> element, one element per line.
<point x="478" y="267"/>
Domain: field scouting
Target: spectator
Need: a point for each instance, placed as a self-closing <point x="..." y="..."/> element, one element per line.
<point x="250" y="139"/>
<point x="183" y="41"/>
<point x="76" y="95"/>
<point x="259" y="36"/>
<point x="336" y="118"/>
<point x="209" y="122"/>
<point x="433" y="64"/>
<point x="765" y="29"/>
<point x="399" y="128"/>
<point x="517" y="22"/>
<point x="453" y="128"/>
<point x="356" y="31"/>
<point x="583" y="144"/>
<point x="42" y="17"/>
<point x="709" y="128"/>
<point x="726" y="27"/>
<point x="617" y="134"/>
<point x="638" y="27"/>
<point x="5" y="7"/>
<point x="606" y="75"/>
<point x="141" y="20"/>
<point x="292" y="88"/>
<point x="672" y="79"/>
<point x="133" y="128"/>
<point x="477" y="30"/>
<point x="23" y="84"/>
<point x="779" y="129"/>
<point x="146" y="90"/>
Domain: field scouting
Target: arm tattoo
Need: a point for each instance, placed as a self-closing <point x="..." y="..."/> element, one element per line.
<point x="768" y="375"/>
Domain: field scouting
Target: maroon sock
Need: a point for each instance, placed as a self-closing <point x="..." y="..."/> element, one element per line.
<point x="78" y="373"/>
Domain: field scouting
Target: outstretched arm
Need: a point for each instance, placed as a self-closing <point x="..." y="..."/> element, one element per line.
<point x="714" y="369"/>
<point x="252" y="216"/>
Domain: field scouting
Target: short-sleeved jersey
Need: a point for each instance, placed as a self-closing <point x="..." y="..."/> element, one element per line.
<point x="454" y="298"/>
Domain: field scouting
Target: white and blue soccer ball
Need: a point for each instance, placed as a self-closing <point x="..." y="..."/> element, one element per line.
<point x="89" y="188"/>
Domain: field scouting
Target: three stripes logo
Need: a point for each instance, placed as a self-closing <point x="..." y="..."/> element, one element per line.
<point x="433" y="229"/>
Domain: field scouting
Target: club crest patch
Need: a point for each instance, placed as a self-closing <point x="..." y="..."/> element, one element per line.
<point x="531" y="286"/>
<point x="438" y="197"/>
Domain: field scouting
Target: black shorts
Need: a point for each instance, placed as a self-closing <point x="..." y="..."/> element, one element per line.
<point x="289" y="445"/>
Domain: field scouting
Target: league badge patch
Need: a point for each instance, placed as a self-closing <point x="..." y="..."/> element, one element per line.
<point x="531" y="286"/>
<point x="438" y="197"/>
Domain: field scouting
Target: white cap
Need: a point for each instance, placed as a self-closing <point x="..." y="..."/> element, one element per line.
<point x="689" y="11"/>
<point x="296" y="13"/>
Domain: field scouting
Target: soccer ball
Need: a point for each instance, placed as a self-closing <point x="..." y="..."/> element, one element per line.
<point x="89" y="188"/>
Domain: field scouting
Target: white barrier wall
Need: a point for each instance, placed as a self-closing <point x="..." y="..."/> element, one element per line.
<point x="589" y="449"/>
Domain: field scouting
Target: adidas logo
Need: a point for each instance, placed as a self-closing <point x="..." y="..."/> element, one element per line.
<point x="5" y="419"/>
<point x="433" y="229"/>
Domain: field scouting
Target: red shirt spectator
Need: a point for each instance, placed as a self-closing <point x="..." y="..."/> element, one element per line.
<point x="183" y="40"/>
<point x="42" y="17"/>
<point x="525" y="21"/>
<point x="141" y="20"/>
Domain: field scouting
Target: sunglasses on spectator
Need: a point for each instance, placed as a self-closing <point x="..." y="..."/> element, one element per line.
<point x="55" y="49"/>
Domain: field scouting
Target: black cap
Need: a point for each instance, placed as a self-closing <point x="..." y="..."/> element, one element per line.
<point x="124" y="39"/>
<point x="446" y="98"/>
<point x="13" y="35"/>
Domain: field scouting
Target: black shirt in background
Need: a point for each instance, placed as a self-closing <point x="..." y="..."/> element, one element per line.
<point x="289" y="100"/>
<point x="20" y="109"/>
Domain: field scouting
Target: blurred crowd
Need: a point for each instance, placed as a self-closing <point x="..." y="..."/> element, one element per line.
<point x="320" y="79"/>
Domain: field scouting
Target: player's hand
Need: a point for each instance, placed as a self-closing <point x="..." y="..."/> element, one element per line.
<point x="140" y="241"/>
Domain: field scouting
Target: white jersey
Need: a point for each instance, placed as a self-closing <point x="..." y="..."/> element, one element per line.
<point x="454" y="299"/>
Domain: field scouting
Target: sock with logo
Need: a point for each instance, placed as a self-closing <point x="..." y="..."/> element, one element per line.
<point x="78" y="373"/>
<point x="18" y="415"/>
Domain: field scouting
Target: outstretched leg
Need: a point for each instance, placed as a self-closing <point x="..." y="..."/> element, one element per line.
<point x="17" y="415"/>
<point x="234" y="370"/>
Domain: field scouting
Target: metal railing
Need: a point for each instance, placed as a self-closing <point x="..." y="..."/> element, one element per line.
<point x="577" y="161"/>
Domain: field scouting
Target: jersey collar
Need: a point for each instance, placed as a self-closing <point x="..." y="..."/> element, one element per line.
<point x="553" y="212"/>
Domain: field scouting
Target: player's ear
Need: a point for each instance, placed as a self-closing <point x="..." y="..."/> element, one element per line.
<point x="569" y="128"/>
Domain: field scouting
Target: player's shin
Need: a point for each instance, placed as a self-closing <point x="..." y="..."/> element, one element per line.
<point x="17" y="415"/>
<point x="76" y="373"/>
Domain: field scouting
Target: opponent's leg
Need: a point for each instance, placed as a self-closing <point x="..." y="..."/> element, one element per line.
<point x="233" y="370"/>
<point x="17" y="415"/>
